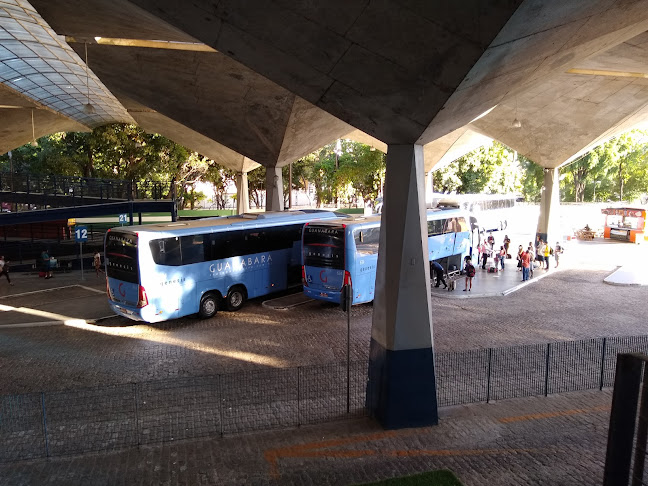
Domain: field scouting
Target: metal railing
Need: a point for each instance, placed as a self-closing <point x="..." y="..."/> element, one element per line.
<point x="75" y="189"/>
<point x="56" y="423"/>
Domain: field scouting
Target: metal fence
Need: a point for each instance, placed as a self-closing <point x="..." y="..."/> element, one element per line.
<point x="48" y="424"/>
<point x="77" y="188"/>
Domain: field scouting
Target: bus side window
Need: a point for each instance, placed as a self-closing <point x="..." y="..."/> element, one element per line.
<point x="166" y="251"/>
<point x="193" y="249"/>
<point x="255" y="242"/>
<point x="451" y="225"/>
<point x="435" y="227"/>
<point x="462" y="225"/>
<point x="367" y="240"/>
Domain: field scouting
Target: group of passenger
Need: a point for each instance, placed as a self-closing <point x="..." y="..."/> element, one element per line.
<point x="542" y="254"/>
<point x="487" y="249"/>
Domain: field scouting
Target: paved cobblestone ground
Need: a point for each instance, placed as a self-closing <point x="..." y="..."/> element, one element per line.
<point x="559" y="440"/>
<point x="568" y="305"/>
<point x="567" y="446"/>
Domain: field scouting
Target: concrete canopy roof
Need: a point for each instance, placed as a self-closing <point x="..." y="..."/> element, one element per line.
<point x="39" y="64"/>
<point x="284" y="78"/>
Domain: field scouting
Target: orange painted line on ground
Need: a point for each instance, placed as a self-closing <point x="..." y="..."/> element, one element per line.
<point x="353" y="454"/>
<point x="548" y="415"/>
<point x="302" y="450"/>
<point x="311" y="450"/>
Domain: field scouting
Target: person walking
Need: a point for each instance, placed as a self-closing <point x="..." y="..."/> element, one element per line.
<point x="557" y="252"/>
<point x="46" y="264"/>
<point x="470" y="273"/>
<point x="526" y="264"/>
<point x="97" y="263"/>
<point x="4" y="269"/>
<point x="502" y="256"/>
<point x="507" y="243"/>
<point x="438" y="272"/>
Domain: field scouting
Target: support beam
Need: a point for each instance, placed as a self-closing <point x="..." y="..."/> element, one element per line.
<point x="401" y="391"/>
<point x="242" y="193"/>
<point x="274" y="189"/>
<point x="549" y="219"/>
<point x="429" y="186"/>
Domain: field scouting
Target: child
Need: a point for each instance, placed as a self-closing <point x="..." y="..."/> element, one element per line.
<point x="470" y="273"/>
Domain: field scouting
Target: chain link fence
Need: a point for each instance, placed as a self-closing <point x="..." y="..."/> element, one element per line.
<point x="112" y="417"/>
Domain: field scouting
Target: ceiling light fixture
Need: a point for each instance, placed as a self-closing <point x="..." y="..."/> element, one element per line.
<point x="88" y="109"/>
<point x="516" y="123"/>
<point x="34" y="143"/>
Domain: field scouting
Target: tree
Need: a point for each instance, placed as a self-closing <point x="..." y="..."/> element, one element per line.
<point x="532" y="179"/>
<point x="361" y="168"/>
<point x="615" y="170"/>
<point x="256" y="186"/>
<point x="492" y="169"/>
<point x="220" y="178"/>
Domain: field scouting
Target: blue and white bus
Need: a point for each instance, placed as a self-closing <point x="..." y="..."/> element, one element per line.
<point x="338" y="252"/>
<point x="163" y="271"/>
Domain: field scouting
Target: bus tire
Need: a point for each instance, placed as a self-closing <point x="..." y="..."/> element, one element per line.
<point x="235" y="298"/>
<point x="208" y="306"/>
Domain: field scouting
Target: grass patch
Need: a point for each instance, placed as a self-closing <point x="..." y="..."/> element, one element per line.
<point x="206" y="213"/>
<point x="350" y="210"/>
<point x="430" y="478"/>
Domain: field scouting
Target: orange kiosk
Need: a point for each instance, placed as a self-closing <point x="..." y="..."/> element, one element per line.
<point x="625" y="224"/>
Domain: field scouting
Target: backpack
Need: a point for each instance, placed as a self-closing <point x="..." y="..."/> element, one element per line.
<point x="470" y="270"/>
<point x="551" y="251"/>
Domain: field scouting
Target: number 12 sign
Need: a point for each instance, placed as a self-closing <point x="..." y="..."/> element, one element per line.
<point x="81" y="234"/>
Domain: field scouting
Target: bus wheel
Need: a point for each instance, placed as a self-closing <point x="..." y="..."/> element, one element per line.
<point x="235" y="298"/>
<point x="208" y="306"/>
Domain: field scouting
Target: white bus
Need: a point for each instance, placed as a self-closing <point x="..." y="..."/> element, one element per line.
<point x="492" y="211"/>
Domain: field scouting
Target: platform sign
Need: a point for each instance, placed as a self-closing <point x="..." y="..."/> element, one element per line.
<point x="123" y="219"/>
<point x="81" y="235"/>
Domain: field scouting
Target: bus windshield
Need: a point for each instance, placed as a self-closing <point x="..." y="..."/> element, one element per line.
<point x="324" y="246"/>
<point x="121" y="250"/>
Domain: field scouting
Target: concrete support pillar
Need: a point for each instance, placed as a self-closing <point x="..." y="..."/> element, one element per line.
<point x="549" y="219"/>
<point x="429" y="187"/>
<point x="401" y="391"/>
<point x="274" y="189"/>
<point x="242" y="194"/>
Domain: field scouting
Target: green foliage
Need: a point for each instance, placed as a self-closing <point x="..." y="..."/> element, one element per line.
<point x="342" y="171"/>
<point x="491" y="169"/>
<point x="532" y="179"/>
<point x="614" y="171"/>
<point x="256" y="186"/>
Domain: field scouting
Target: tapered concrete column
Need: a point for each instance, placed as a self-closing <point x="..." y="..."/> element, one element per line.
<point x="549" y="219"/>
<point x="242" y="194"/>
<point x="401" y="391"/>
<point x="429" y="186"/>
<point x="274" y="189"/>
